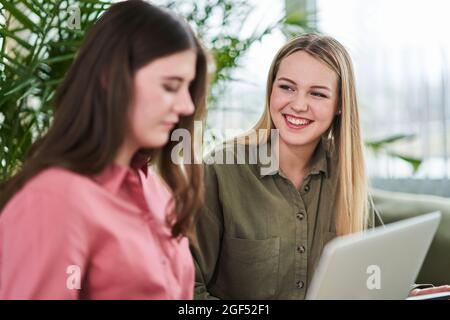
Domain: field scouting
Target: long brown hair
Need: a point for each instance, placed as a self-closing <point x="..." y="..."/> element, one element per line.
<point x="344" y="135"/>
<point x="91" y="104"/>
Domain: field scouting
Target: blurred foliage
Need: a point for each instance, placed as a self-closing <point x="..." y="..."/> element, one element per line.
<point x="298" y="22"/>
<point x="37" y="45"/>
<point x="384" y="145"/>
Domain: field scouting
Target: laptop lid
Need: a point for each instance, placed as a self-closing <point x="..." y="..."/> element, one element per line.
<point x="381" y="263"/>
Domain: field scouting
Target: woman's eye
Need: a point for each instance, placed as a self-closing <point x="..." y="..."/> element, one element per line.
<point x="285" y="87"/>
<point x="171" y="89"/>
<point x="318" y="94"/>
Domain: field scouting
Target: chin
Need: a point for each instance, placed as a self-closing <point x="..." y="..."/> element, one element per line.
<point x="157" y="141"/>
<point x="296" y="140"/>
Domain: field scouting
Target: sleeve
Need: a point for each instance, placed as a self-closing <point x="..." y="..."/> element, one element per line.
<point x="206" y="244"/>
<point x="42" y="247"/>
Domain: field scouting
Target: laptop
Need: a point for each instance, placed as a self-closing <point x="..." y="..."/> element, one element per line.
<point x="381" y="263"/>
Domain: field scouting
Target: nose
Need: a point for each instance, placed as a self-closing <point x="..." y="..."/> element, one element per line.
<point x="300" y="104"/>
<point x="184" y="105"/>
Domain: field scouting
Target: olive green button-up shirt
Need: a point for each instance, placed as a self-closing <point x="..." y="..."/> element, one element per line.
<point x="260" y="237"/>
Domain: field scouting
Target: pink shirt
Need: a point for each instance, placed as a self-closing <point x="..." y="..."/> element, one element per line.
<point x="105" y="235"/>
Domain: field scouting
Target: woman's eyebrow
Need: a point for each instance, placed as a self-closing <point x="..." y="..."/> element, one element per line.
<point x="178" y="78"/>
<point x="321" y="87"/>
<point x="287" y="79"/>
<point x="314" y="87"/>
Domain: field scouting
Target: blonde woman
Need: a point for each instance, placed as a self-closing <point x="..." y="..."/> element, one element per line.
<point x="261" y="234"/>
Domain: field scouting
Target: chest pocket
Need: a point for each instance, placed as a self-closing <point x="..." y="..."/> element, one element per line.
<point x="249" y="268"/>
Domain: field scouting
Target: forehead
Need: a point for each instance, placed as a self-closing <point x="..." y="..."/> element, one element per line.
<point x="306" y="70"/>
<point x="180" y="64"/>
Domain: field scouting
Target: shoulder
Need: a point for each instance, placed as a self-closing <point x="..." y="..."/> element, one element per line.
<point x="48" y="205"/>
<point x="52" y="188"/>
<point x="232" y="160"/>
<point x="58" y="180"/>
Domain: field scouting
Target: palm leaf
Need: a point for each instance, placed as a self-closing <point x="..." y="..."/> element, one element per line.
<point x="414" y="162"/>
<point x="14" y="10"/>
<point x="34" y="60"/>
<point x="376" y="145"/>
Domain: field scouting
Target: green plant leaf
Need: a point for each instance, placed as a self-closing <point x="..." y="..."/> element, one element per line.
<point x="414" y="162"/>
<point x="20" y="85"/>
<point x="11" y="35"/>
<point x="21" y="17"/>
<point x="61" y="58"/>
<point x="376" y="145"/>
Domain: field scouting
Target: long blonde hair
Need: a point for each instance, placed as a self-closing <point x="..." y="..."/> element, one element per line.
<point x="352" y="206"/>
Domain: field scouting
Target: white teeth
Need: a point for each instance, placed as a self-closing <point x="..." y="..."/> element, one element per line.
<point x="297" y="122"/>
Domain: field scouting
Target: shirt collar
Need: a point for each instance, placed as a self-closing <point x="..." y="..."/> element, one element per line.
<point x="113" y="176"/>
<point x="319" y="162"/>
<point x="320" y="159"/>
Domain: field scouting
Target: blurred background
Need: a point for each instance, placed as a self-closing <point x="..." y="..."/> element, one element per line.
<point x="400" y="50"/>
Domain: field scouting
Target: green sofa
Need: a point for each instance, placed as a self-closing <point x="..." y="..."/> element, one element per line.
<point x="394" y="206"/>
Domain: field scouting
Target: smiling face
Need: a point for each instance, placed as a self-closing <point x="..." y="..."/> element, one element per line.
<point x="303" y="102"/>
<point x="160" y="97"/>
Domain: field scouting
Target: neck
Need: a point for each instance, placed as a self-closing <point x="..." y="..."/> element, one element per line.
<point x="294" y="160"/>
<point x="124" y="155"/>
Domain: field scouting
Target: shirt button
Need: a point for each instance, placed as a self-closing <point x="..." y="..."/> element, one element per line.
<point x="306" y="188"/>
<point x="301" y="249"/>
<point x="300" y="216"/>
<point x="300" y="284"/>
